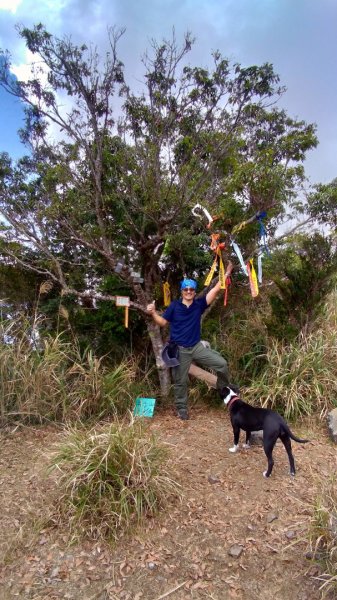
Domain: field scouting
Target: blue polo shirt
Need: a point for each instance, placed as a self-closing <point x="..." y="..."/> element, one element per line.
<point x="185" y="321"/>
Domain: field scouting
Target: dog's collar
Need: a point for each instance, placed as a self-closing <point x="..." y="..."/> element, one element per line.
<point x="230" y="398"/>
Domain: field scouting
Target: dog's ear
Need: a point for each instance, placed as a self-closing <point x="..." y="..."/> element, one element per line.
<point x="224" y="391"/>
<point x="235" y="388"/>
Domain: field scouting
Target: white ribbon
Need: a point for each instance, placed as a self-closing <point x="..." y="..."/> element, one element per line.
<point x="205" y="211"/>
<point x="239" y="255"/>
<point x="259" y="266"/>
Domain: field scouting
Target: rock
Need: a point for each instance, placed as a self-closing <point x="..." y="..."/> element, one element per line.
<point x="213" y="479"/>
<point x="256" y="438"/>
<point x="290" y="534"/>
<point x="272" y="517"/>
<point x="332" y="424"/>
<point x="235" y="551"/>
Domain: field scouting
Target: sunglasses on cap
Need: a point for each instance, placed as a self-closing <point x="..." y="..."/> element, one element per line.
<point x="187" y="289"/>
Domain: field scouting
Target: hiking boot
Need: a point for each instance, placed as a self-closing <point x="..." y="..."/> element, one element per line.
<point x="183" y="414"/>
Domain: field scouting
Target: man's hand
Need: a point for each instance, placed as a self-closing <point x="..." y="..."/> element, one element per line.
<point x="212" y="294"/>
<point x="151" y="308"/>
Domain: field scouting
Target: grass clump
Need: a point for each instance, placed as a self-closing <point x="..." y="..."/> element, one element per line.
<point x="323" y="537"/>
<point x="96" y="391"/>
<point x="300" y="378"/>
<point x="111" y="477"/>
<point x="52" y="380"/>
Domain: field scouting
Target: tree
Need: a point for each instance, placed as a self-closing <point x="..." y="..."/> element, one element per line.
<point x="115" y="194"/>
<point x="322" y="203"/>
<point x="303" y="274"/>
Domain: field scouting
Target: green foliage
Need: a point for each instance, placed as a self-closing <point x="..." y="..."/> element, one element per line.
<point x="303" y="275"/>
<point x="300" y="378"/>
<point x="18" y="288"/>
<point x="322" y="203"/>
<point x="98" y="325"/>
<point x="195" y="135"/>
<point x="110" y="478"/>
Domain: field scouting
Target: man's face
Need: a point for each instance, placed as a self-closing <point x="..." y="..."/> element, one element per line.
<point x="188" y="293"/>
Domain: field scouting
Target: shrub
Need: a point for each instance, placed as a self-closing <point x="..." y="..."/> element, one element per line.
<point x="301" y="377"/>
<point x="49" y="379"/>
<point x="111" y="477"/>
<point x="323" y="536"/>
<point x="96" y="390"/>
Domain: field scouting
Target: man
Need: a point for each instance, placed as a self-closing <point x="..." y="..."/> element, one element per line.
<point x="184" y="316"/>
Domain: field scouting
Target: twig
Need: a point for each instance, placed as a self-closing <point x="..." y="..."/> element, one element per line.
<point x="171" y="591"/>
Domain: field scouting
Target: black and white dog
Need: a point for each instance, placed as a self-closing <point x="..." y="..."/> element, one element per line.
<point x="249" y="418"/>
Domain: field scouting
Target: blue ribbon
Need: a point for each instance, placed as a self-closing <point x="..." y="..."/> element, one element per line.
<point x="263" y="232"/>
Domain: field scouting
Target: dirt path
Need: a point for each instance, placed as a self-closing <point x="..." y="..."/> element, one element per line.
<point x="185" y="554"/>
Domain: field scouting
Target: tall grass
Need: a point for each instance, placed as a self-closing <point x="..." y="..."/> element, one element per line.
<point x="50" y="380"/>
<point x="300" y="378"/>
<point x="323" y="537"/>
<point x="110" y="478"/>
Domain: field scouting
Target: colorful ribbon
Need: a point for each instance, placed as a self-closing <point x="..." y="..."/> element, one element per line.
<point x="263" y="232"/>
<point x="240" y="257"/>
<point x="254" y="288"/>
<point x="259" y="266"/>
<point x="166" y="293"/>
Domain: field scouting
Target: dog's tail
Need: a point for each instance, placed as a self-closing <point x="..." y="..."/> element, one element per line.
<point x="292" y="436"/>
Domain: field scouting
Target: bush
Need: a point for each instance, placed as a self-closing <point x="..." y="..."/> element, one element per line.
<point x="301" y="377"/>
<point x="48" y="379"/>
<point x="323" y="537"/>
<point x="110" y="478"/>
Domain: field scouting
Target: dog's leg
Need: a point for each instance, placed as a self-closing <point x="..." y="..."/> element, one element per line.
<point x="247" y="444"/>
<point x="268" y="445"/>
<point x="235" y="447"/>
<point x="285" y="439"/>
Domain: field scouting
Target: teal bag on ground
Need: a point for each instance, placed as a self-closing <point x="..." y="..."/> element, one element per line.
<point x="144" y="407"/>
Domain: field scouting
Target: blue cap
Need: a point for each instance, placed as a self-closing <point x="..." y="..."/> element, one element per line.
<point x="188" y="283"/>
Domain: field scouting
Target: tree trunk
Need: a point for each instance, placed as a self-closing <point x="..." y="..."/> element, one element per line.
<point x="157" y="345"/>
<point x="203" y="375"/>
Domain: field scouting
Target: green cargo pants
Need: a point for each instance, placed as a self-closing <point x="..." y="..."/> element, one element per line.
<point x="203" y="357"/>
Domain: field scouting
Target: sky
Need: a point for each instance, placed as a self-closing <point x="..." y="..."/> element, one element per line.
<point x="297" y="36"/>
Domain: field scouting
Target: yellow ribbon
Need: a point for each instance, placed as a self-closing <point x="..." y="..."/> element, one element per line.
<point x="212" y="271"/>
<point x="166" y="293"/>
<point x="254" y="288"/>
<point x="240" y="226"/>
<point x="222" y="277"/>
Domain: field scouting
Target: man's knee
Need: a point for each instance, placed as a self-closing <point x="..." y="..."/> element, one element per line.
<point x="222" y="369"/>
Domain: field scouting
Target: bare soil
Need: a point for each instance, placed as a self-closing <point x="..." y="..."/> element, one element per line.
<point x="187" y="552"/>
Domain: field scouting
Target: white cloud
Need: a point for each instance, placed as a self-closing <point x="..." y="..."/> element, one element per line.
<point x="297" y="37"/>
<point x="10" y="5"/>
<point x="23" y="71"/>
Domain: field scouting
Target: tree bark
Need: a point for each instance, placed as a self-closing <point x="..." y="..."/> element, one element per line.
<point x="157" y="345"/>
<point x="203" y="375"/>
